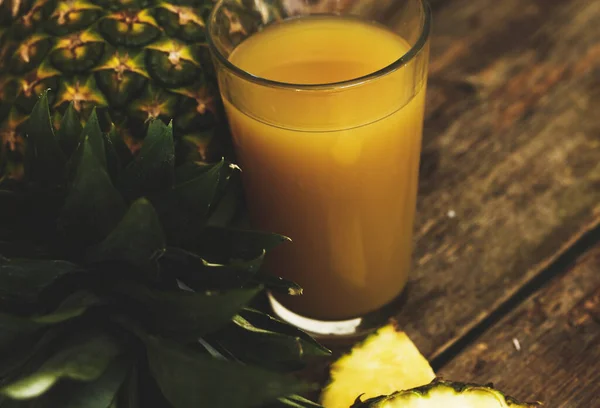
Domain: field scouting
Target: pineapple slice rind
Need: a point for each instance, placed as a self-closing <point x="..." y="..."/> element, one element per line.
<point x="444" y="394"/>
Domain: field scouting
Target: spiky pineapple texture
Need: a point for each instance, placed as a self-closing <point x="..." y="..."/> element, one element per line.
<point x="136" y="60"/>
<point x="448" y="394"/>
<point x="98" y="252"/>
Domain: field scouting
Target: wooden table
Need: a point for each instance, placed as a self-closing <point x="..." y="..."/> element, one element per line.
<point x="506" y="285"/>
<point x="506" y="282"/>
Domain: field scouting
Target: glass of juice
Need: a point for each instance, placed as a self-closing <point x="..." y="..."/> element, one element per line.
<point x="325" y="102"/>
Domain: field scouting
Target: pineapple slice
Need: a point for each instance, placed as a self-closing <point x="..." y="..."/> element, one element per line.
<point x="385" y="362"/>
<point x="445" y="394"/>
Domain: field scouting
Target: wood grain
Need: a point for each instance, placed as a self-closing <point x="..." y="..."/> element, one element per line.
<point x="548" y="349"/>
<point x="510" y="170"/>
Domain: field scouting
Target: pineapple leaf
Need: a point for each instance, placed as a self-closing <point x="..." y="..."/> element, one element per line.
<point x="102" y="392"/>
<point x="297" y="401"/>
<point x="198" y="194"/>
<point x="73" y="306"/>
<point x="153" y="170"/>
<point x="123" y="153"/>
<point x="46" y="161"/>
<point x="92" y="132"/>
<point x="266" y="322"/>
<point x="184" y="209"/>
<point x="223" y="244"/>
<point x="190" y="379"/>
<point x="69" y="131"/>
<point x="137" y="239"/>
<point x="190" y="170"/>
<point x="129" y="397"/>
<point x="13" y="328"/>
<point x="23" y="280"/>
<point x="200" y="275"/>
<point x="21" y="249"/>
<point x="187" y="315"/>
<point x="18" y="354"/>
<point x="259" y="339"/>
<point x="84" y="359"/>
<point x="108" y="217"/>
<point x="278" y="284"/>
<point x="113" y="162"/>
<point x="93" y="206"/>
<point x="9" y="403"/>
<point x="227" y="205"/>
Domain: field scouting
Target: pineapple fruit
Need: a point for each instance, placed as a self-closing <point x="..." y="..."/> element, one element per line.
<point x="388" y="371"/>
<point x="385" y="362"/>
<point x="135" y="60"/>
<point x="445" y="394"/>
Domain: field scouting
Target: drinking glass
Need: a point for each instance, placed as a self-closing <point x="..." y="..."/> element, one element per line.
<point x="325" y="102"/>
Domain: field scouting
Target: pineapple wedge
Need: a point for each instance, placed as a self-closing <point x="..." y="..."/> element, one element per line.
<point x="385" y="362"/>
<point x="445" y="394"/>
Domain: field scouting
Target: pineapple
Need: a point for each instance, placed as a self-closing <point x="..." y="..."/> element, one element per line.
<point x="388" y="371"/>
<point x="134" y="60"/>
<point x="385" y="362"/>
<point x="445" y="394"/>
<point x="122" y="284"/>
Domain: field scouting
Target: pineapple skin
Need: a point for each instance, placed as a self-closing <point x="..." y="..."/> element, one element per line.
<point x="446" y="394"/>
<point x="136" y="60"/>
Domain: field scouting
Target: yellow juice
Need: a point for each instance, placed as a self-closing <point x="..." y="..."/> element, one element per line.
<point x="335" y="168"/>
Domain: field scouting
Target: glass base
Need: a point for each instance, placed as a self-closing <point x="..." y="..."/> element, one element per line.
<point x="342" y="330"/>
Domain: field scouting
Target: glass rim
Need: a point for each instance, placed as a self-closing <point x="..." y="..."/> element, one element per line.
<point x="392" y="67"/>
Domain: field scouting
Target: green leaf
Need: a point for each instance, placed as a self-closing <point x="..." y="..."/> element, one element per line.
<point x="200" y="274"/>
<point x="23" y="280"/>
<point x="138" y="239"/>
<point x="264" y="321"/>
<point x="85" y="358"/>
<point x="187" y="314"/>
<point x="223" y="244"/>
<point x="257" y="338"/>
<point x="184" y="209"/>
<point x="92" y="132"/>
<point x="113" y="162"/>
<point x="121" y="149"/>
<point x="297" y="401"/>
<point x="11" y="403"/>
<point x="278" y="284"/>
<point x="190" y="170"/>
<point x="197" y="194"/>
<point x="20" y="249"/>
<point x="189" y="379"/>
<point x="228" y="199"/>
<point x="93" y="206"/>
<point x="70" y="131"/>
<point x="10" y="207"/>
<point x="102" y="392"/>
<point x="17" y="355"/>
<point x="153" y="170"/>
<point x="73" y="306"/>
<point x="13" y="329"/>
<point x="130" y="391"/>
<point x="45" y="160"/>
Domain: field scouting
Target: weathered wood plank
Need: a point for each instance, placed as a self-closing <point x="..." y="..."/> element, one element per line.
<point x="511" y="169"/>
<point x="548" y="349"/>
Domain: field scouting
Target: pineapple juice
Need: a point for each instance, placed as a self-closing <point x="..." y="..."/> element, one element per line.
<point x="333" y="167"/>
